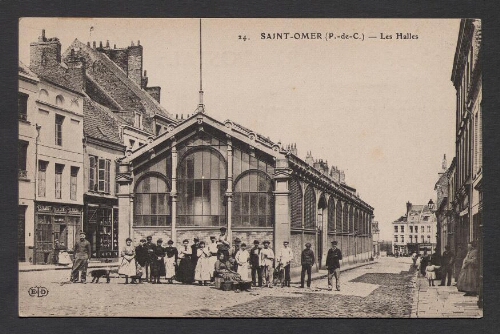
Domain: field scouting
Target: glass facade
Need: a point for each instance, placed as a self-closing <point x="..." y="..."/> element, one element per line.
<point x="152" y="202"/>
<point x="309" y="208"/>
<point x="253" y="201"/>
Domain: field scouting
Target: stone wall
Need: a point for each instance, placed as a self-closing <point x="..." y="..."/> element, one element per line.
<point x="157" y="233"/>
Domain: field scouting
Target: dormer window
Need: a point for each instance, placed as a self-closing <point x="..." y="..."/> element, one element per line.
<point x="138" y="120"/>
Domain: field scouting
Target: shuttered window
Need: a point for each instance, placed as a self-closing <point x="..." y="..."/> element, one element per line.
<point x="295" y="203"/>
<point x="309" y="208"/>
<point x="331" y="215"/>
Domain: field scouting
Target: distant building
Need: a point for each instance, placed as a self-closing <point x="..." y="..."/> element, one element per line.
<point x="415" y="231"/>
<point x="443" y="211"/>
<point x="376" y="237"/>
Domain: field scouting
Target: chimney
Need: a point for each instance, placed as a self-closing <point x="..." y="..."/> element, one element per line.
<point x="107" y="43"/>
<point x="93" y="44"/>
<point x="76" y="69"/>
<point x="46" y="52"/>
<point x="408" y="208"/>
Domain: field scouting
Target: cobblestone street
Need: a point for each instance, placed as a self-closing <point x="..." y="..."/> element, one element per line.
<point x="379" y="289"/>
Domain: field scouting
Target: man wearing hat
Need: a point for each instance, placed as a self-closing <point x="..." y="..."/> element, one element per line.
<point x="223" y="244"/>
<point x="333" y="265"/>
<point x="285" y="257"/>
<point x="158" y="264"/>
<point x="150" y="247"/>
<point x="81" y="251"/>
<point x="194" y="250"/>
<point x="234" y="250"/>
<point x="307" y="261"/>
<point x="255" y="263"/>
<point x="141" y="257"/>
<point x="266" y="261"/>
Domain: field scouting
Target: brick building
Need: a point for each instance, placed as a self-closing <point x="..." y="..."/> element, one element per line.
<point x="202" y="174"/>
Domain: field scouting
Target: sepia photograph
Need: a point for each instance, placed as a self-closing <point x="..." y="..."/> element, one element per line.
<point x="250" y="168"/>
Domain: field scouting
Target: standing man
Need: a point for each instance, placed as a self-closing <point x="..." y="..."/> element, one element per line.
<point x="447" y="262"/>
<point x="81" y="253"/>
<point x="150" y="246"/>
<point x="223" y="244"/>
<point x="194" y="251"/>
<point x="285" y="257"/>
<point x="141" y="257"/>
<point x="266" y="260"/>
<point x="307" y="261"/>
<point x="333" y="264"/>
<point x="255" y="263"/>
<point x="234" y="250"/>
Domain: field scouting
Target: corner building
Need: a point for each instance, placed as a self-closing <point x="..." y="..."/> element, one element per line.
<point x="202" y="174"/>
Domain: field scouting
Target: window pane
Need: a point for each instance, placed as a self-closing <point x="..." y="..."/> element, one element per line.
<point x="190" y="167"/>
<point x="214" y="166"/>
<point x="146" y="204"/>
<point x="253" y="162"/>
<point x="162" y="186"/>
<point x="138" y="204"/>
<point x="245" y="183"/>
<point x="254" y="206"/>
<point x="146" y="220"/>
<point x="153" y="184"/>
<point x="162" y="221"/>
<point x="198" y="164"/>
<point x="154" y="221"/>
<point x="214" y="197"/>
<point x="263" y="204"/>
<point x="206" y="164"/>
<point x="154" y="204"/>
<point x="162" y="205"/>
<point x="197" y="188"/>
<point x="253" y="182"/>
<point x="245" y="204"/>
<point x="236" y="162"/>
<point x="245" y="161"/>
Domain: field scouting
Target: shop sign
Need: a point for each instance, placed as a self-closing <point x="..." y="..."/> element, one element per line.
<point x="59" y="209"/>
<point x="43" y="208"/>
<point x="72" y="211"/>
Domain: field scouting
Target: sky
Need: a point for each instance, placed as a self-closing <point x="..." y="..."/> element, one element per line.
<point x="381" y="109"/>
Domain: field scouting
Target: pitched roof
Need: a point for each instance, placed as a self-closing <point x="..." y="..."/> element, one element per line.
<point x="100" y="123"/>
<point x="25" y="70"/>
<point x="57" y="74"/>
<point x="103" y="70"/>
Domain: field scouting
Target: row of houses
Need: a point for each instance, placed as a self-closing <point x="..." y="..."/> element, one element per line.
<point x="459" y="187"/>
<point x="113" y="162"/>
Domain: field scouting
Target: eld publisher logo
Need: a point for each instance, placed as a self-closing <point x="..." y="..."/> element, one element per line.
<point x="38" y="291"/>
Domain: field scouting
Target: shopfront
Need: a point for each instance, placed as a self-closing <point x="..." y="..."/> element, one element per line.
<point x="101" y="227"/>
<point x="55" y="221"/>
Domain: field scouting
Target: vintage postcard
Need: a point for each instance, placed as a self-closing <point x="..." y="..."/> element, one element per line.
<point x="260" y="168"/>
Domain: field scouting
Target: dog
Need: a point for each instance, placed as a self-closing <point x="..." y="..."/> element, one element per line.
<point x="279" y="275"/>
<point x="98" y="273"/>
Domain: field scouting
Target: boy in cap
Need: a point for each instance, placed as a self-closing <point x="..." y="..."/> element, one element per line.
<point x="255" y="263"/>
<point x="307" y="261"/>
<point x="234" y="251"/>
<point x="266" y="260"/>
<point x="285" y="257"/>
<point x="81" y="251"/>
<point x="333" y="265"/>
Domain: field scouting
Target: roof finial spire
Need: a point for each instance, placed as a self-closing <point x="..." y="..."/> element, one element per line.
<point x="201" y="106"/>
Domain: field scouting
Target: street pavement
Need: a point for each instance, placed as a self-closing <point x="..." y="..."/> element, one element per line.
<point x="384" y="288"/>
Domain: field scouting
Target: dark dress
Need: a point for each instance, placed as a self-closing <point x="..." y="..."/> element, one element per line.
<point x="157" y="265"/>
<point x="141" y="255"/>
<point x="185" y="272"/>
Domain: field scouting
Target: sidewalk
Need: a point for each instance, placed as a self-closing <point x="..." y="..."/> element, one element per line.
<point x="442" y="302"/>
<point x="26" y="266"/>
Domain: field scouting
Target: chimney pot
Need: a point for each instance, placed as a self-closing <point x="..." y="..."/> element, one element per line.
<point x="132" y="43"/>
<point x="107" y="43"/>
<point x="114" y="46"/>
<point x="43" y="34"/>
<point x="93" y="44"/>
<point x="145" y="73"/>
<point x="88" y="44"/>
<point x="138" y="42"/>
<point x="100" y="44"/>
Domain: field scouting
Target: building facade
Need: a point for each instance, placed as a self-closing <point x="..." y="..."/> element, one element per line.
<point x="444" y="210"/>
<point x="416" y="231"/>
<point x="467" y="80"/>
<point x="58" y="151"/>
<point x="202" y="174"/>
<point x="27" y="112"/>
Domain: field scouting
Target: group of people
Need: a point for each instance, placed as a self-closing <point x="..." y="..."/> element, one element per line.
<point x="468" y="278"/>
<point x="202" y="262"/>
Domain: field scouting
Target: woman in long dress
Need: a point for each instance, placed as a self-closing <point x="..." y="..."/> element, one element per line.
<point x="223" y="270"/>
<point x="127" y="266"/>
<point x="171" y="257"/>
<point x="468" y="278"/>
<point x="202" y="271"/>
<point x="185" y="273"/>
<point x="243" y="259"/>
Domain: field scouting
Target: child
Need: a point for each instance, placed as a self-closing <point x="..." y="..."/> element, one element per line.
<point x="430" y="273"/>
<point x="417" y="263"/>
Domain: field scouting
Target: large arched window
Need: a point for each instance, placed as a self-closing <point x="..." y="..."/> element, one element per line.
<point x="253" y="202"/>
<point x="152" y="204"/>
<point x="295" y="203"/>
<point x="201" y="181"/>
<point x="356" y="221"/>
<point x="345" y="219"/>
<point x="339" y="216"/>
<point x="331" y="215"/>
<point x="309" y="208"/>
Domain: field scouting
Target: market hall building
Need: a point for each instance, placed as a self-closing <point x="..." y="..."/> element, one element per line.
<point x="202" y="174"/>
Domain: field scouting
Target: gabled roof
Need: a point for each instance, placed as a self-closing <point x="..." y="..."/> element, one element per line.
<point x="236" y="131"/>
<point x="57" y="74"/>
<point x="100" y="123"/>
<point x="136" y="98"/>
